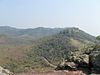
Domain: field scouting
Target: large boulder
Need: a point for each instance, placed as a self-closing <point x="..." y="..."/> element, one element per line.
<point x="66" y="65"/>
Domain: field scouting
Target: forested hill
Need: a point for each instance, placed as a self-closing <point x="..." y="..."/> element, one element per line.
<point x="32" y="32"/>
<point x="78" y="34"/>
<point x="10" y="35"/>
<point x="63" y="45"/>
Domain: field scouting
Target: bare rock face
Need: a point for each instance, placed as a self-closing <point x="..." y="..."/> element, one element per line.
<point x="4" y="71"/>
<point x="65" y="65"/>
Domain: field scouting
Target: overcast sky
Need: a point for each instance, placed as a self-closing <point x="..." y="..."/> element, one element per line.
<point x="84" y="14"/>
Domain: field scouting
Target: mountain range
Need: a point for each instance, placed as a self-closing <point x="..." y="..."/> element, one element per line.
<point x="20" y="36"/>
<point x="35" y="32"/>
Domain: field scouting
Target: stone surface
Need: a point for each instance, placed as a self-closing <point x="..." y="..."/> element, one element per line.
<point x="4" y="71"/>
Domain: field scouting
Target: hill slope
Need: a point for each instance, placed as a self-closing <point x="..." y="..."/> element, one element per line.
<point x="64" y="45"/>
<point x="54" y="48"/>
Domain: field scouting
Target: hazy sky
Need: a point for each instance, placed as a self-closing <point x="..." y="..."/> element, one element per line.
<point x="84" y="14"/>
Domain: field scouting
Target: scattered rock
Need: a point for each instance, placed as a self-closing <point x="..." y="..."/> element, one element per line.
<point x="5" y="71"/>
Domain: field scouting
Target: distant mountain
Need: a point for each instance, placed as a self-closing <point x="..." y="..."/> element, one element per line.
<point x="11" y="35"/>
<point x="34" y="33"/>
<point x="6" y="30"/>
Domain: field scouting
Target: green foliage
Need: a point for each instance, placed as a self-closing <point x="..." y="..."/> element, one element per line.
<point x="98" y="37"/>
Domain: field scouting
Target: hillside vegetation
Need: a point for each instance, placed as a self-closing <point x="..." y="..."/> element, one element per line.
<point x="62" y="45"/>
<point x="20" y="52"/>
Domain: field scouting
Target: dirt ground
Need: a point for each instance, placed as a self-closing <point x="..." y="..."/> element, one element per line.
<point x="55" y="73"/>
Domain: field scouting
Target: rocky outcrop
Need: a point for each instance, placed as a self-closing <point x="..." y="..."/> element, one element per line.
<point x="95" y="59"/>
<point x="5" y="71"/>
<point x="66" y="65"/>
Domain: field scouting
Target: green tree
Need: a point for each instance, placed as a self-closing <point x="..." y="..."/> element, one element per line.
<point x="98" y="37"/>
